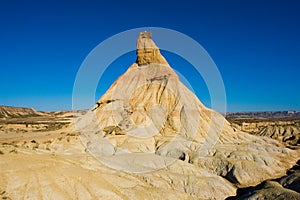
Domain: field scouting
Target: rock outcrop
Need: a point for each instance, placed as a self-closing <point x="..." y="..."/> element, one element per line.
<point x="268" y="190"/>
<point x="287" y="187"/>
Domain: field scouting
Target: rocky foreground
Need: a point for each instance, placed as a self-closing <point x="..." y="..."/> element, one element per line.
<point x="148" y="137"/>
<point x="54" y="164"/>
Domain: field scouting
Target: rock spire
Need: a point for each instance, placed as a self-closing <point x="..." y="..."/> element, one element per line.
<point x="147" y="51"/>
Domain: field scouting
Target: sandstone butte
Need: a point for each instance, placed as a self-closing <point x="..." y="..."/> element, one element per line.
<point x="150" y="138"/>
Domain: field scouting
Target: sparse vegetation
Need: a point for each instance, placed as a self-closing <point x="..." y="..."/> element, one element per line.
<point x="71" y="134"/>
<point x="13" y="151"/>
<point x="48" y="142"/>
<point x="3" y="195"/>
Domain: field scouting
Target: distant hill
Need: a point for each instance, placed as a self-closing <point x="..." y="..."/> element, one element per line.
<point x="14" y="112"/>
<point x="270" y="114"/>
<point x="19" y="112"/>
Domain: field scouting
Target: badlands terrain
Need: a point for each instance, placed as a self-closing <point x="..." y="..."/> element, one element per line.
<point x="147" y="137"/>
<point x="283" y="126"/>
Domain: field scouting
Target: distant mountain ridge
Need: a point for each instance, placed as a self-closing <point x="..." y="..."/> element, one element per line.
<point x="18" y="112"/>
<point x="13" y="112"/>
<point x="264" y="114"/>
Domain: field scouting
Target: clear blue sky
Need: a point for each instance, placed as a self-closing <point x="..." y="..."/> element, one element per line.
<point x="255" y="45"/>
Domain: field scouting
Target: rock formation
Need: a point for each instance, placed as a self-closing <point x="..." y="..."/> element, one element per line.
<point x="150" y="137"/>
<point x="147" y="51"/>
<point x="148" y="110"/>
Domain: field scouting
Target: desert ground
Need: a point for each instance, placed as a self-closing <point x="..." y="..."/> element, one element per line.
<point x="42" y="159"/>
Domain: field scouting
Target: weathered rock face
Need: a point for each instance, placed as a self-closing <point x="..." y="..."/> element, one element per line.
<point x="268" y="190"/>
<point x="287" y="187"/>
<point x="148" y="110"/>
<point x="147" y="51"/>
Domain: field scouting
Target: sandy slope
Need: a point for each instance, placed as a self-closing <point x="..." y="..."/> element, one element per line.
<point x="54" y="165"/>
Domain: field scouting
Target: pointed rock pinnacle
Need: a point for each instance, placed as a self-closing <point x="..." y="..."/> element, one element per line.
<point x="147" y="51"/>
